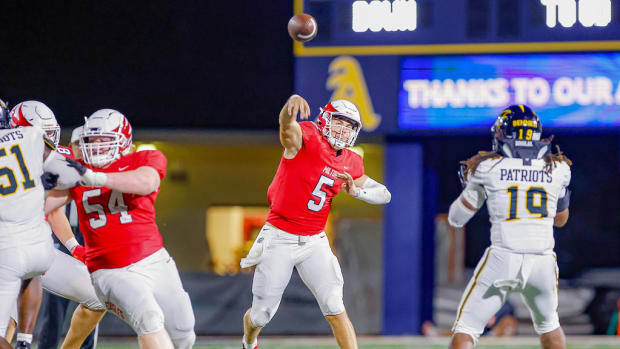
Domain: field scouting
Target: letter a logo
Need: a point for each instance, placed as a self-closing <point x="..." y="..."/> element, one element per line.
<point x="347" y="81"/>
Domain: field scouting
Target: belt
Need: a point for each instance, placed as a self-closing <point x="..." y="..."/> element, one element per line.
<point x="281" y="234"/>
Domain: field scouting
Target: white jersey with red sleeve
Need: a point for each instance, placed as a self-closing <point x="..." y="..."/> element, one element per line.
<point x="119" y="228"/>
<point x="302" y="190"/>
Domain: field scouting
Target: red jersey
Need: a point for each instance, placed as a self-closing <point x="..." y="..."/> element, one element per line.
<point x="65" y="151"/>
<point x="119" y="229"/>
<point x="302" y="190"/>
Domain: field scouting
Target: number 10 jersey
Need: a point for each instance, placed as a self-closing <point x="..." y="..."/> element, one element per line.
<point x="119" y="228"/>
<point x="301" y="192"/>
<point x="521" y="200"/>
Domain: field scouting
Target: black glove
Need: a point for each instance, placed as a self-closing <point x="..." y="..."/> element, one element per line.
<point x="49" y="180"/>
<point x="76" y="165"/>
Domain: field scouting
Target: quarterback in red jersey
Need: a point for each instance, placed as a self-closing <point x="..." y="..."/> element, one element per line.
<point x="315" y="166"/>
<point x="133" y="274"/>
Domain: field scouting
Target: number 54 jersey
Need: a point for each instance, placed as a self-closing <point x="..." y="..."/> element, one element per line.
<point x="119" y="228"/>
<point x="521" y="200"/>
<point x="302" y="190"/>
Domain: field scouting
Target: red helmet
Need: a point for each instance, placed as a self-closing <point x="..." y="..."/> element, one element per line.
<point x="339" y="109"/>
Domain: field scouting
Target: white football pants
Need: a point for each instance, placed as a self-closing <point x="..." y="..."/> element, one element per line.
<point x="148" y="295"/>
<point x="276" y="253"/>
<point x="69" y="278"/>
<point x="501" y="272"/>
<point x="21" y="263"/>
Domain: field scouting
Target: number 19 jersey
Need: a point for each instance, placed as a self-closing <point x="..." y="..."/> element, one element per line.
<point x="522" y="201"/>
<point x="302" y="190"/>
<point x="119" y="228"/>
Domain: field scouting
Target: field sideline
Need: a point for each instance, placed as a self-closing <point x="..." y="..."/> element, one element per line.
<point x="383" y="342"/>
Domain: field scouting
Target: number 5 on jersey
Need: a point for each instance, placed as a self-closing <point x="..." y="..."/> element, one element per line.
<point x="319" y="194"/>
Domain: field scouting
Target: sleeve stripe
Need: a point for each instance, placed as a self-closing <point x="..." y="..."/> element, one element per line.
<point x="49" y="143"/>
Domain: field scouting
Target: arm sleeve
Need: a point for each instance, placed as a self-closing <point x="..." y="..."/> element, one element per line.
<point x="459" y="214"/>
<point x="374" y="193"/>
<point x="474" y="194"/>
<point x="565" y="193"/>
<point x="567" y="176"/>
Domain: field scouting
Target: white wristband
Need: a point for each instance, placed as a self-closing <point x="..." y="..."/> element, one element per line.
<point x="93" y="179"/>
<point x="71" y="244"/>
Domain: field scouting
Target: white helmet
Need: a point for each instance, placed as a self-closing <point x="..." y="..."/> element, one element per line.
<point x="105" y="123"/>
<point x="35" y="113"/>
<point x="343" y="109"/>
<point x="76" y="133"/>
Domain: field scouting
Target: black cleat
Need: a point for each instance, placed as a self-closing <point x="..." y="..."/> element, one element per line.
<point x="22" y="345"/>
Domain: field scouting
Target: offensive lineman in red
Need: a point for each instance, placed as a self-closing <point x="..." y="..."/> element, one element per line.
<point x="315" y="165"/>
<point x="133" y="274"/>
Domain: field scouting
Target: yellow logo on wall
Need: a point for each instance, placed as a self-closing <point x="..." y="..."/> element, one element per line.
<point x="347" y="80"/>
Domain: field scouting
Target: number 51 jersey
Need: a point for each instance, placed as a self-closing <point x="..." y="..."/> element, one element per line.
<point x="302" y="190"/>
<point x="21" y="192"/>
<point x="119" y="228"/>
<point x="522" y="201"/>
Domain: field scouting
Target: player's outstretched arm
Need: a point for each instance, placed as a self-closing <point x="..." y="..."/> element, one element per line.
<point x="141" y="181"/>
<point x="365" y="189"/>
<point x="290" y="131"/>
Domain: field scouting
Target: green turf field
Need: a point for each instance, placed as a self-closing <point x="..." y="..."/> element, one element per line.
<point x="292" y="342"/>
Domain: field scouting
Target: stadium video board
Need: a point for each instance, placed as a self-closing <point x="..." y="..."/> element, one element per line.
<point x="464" y="92"/>
<point x="407" y="27"/>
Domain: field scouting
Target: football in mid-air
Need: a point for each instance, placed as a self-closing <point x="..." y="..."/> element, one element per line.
<point x="302" y="27"/>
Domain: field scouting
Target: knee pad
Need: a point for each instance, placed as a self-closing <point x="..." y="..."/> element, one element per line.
<point x="181" y="331"/>
<point x="94" y="304"/>
<point x="149" y="321"/>
<point x="260" y="317"/>
<point x="543" y="327"/>
<point x="471" y="335"/>
<point x="459" y="328"/>
<point x="331" y="302"/>
<point x="186" y="340"/>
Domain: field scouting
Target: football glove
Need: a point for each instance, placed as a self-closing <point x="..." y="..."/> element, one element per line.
<point x="79" y="253"/>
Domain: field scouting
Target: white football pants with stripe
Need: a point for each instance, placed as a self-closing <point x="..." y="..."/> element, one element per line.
<point x="501" y="272"/>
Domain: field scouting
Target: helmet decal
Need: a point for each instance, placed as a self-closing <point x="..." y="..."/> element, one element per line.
<point x="35" y="113"/>
<point x="517" y="126"/>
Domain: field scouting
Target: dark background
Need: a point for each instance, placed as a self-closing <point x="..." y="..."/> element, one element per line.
<point x="186" y="64"/>
<point x="204" y="64"/>
<point x="590" y="238"/>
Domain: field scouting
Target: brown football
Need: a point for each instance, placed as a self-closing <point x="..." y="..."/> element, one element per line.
<point x="302" y="27"/>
